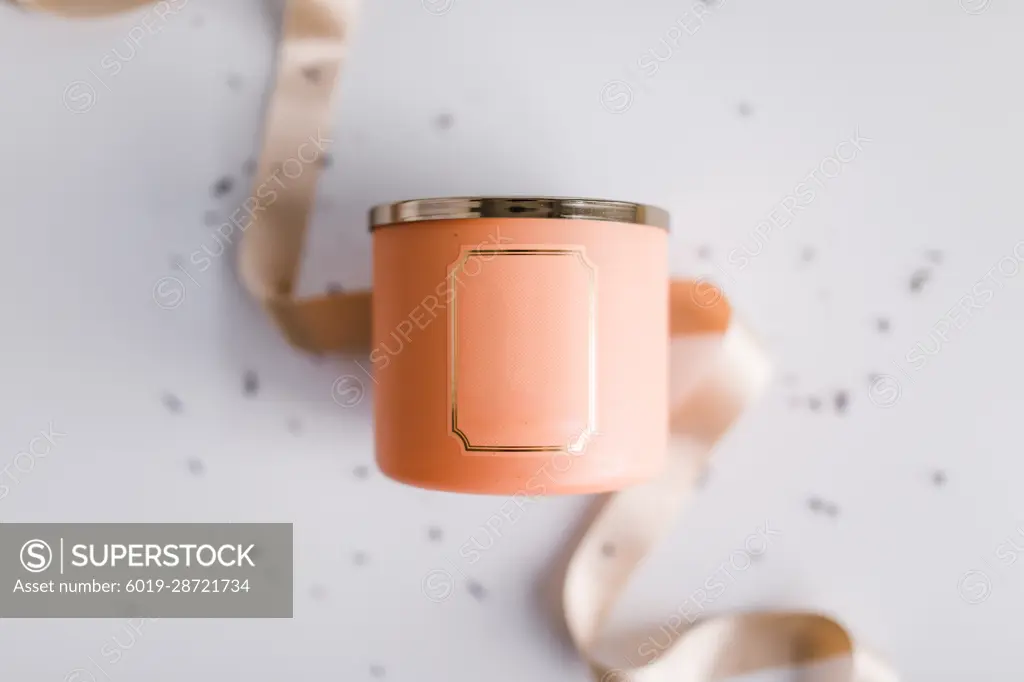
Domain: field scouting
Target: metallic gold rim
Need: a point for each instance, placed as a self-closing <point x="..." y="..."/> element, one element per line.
<point x="565" y="208"/>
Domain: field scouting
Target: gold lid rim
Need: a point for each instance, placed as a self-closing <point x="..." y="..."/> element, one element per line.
<point x="564" y="208"/>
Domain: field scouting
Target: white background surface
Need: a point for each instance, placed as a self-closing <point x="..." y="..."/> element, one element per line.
<point x="503" y="97"/>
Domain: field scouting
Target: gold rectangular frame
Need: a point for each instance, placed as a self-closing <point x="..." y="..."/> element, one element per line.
<point x="573" y="446"/>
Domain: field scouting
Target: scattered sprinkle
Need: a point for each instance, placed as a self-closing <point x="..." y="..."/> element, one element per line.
<point x="249" y="167"/>
<point x="172" y="403"/>
<point x="820" y="506"/>
<point x="359" y="558"/>
<point x="312" y="74"/>
<point x="211" y="218"/>
<point x="918" y="280"/>
<point x="934" y="255"/>
<point x="444" y="121"/>
<point x="704" y="252"/>
<point x="250" y="383"/>
<point x="939" y="478"/>
<point x="744" y="109"/>
<point x="435" y="534"/>
<point x="476" y="590"/>
<point x="196" y="467"/>
<point x="807" y="254"/>
<point x="223" y="186"/>
<point x="326" y="160"/>
<point x="842" y="401"/>
<point x="377" y="671"/>
<point x="334" y="288"/>
<point x="608" y="549"/>
<point x="361" y="472"/>
<point x="234" y="81"/>
<point x="814" y="403"/>
<point x="883" y="325"/>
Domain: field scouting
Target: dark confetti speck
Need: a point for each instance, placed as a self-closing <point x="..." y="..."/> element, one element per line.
<point x="377" y="671"/>
<point x="249" y="167"/>
<point x="435" y="534"/>
<point x="196" y="467"/>
<point x="250" y="383"/>
<point x="223" y="186"/>
<point x="234" y="81"/>
<point x="704" y="252"/>
<point x="294" y="426"/>
<point x="312" y="74"/>
<point x="744" y="109"/>
<point x="814" y="403"/>
<point x="820" y="506"/>
<point x="918" y="280"/>
<point x="211" y="219"/>
<point x="360" y="558"/>
<point x="883" y="325"/>
<point x="934" y="255"/>
<point x="807" y="254"/>
<point x="939" y="478"/>
<point x="444" y="121"/>
<point x="172" y="403"/>
<point x="873" y="378"/>
<point x="608" y="549"/>
<point x="841" y="401"/>
<point x="326" y="161"/>
<point x="318" y="592"/>
<point x="476" y="590"/>
<point x="361" y="472"/>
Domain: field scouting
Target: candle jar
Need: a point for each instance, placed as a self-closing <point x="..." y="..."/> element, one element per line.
<point x="520" y="345"/>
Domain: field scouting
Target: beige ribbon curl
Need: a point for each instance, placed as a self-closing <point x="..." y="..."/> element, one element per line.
<point x="717" y="371"/>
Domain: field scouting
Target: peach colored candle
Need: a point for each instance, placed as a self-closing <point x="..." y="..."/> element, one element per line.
<point x="520" y="345"/>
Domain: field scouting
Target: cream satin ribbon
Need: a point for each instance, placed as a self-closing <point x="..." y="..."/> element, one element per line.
<point x="717" y="371"/>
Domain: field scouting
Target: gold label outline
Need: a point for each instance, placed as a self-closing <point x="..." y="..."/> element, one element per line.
<point x="574" y="446"/>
